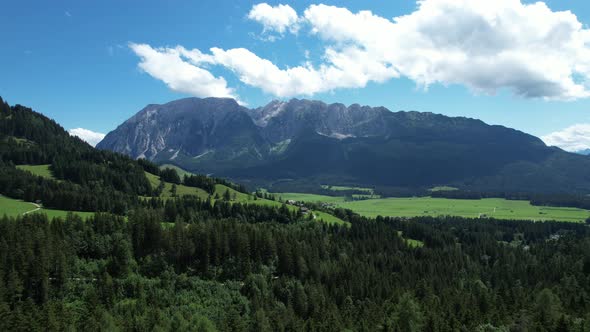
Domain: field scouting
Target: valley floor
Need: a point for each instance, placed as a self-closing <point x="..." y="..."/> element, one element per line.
<point x="427" y="206"/>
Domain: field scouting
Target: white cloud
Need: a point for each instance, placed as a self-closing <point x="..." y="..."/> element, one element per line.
<point x="574" y="138"/>
<point x="275" y="19"/>
<point x="345" y="70"/>
<point x="86" y="135"/>
<point x="483" y="45"/>
<point x="169" y="66"/>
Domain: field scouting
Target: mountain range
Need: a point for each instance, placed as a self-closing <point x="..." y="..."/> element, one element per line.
<point x="305" y="141"/>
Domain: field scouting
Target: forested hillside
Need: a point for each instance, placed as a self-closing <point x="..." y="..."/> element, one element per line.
<point x="28" y="137"/>
<point x="84" y="178"/>
<point x="232" y="274"/>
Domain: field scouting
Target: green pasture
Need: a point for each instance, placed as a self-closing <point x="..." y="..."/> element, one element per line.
<point x="14" y="207"/>
<point x="427" y="206"/>
<point x="181" y="172"/>
<point x="309" y="197"/>
<point x="411" y="242"/>
<point x="180" y="189"/>
<point x="344" y="188"/>
<point x="39" y="170"/>
<point x="488" y="207"/>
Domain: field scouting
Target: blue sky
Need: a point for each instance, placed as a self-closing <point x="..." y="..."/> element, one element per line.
<point x="72" y="61"/>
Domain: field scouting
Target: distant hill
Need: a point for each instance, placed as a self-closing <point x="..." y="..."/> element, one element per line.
<point x="304" y="140"/>
<point x="74" y="176"/>
<point x="585" y="152"/>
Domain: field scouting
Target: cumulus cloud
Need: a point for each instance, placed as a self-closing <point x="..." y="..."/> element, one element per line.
<point x="275" y="19"/>
<point x="484" y="45"/>
<point x="575" y="138"/>
<point x="86" y="135"/>
<point x="170" y="66"/>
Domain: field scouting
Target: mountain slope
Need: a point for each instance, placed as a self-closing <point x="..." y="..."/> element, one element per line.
<point x="303" y="140"/>
<point x="208" y="131"/>
<point x="76" y="176"/>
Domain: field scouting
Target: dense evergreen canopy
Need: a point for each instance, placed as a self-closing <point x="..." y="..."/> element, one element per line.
<point x="229" y="274"/>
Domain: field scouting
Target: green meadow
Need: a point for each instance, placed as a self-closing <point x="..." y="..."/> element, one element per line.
<point x="250" y="199"/>
<point x="490" y="207"/>
<point x="181" y="172"/>
<point x="427" y="206"/>
<point x="180" y="189"/>
<point x="309" y="197"/>
<point x="411" y="242"/>
<point x="344" y="188"/>
<point x="328" y="218"/>
<point x="39" y="170"/>
<point x="14" y="207"/>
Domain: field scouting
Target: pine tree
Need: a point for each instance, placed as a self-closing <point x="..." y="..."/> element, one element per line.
<point x="408" y="314"/>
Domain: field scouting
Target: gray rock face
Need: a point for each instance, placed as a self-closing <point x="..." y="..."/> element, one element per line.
<point x="284" y="120"/>
<point x="194" y="126"/>
<point x="190" y="126"/>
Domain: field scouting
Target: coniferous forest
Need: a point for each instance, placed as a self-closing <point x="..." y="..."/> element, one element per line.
<point x="146" y="263"/>
<point x="211" y="272"/>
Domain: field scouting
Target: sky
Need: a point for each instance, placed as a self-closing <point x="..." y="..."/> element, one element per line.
<point x="90" y="65"/>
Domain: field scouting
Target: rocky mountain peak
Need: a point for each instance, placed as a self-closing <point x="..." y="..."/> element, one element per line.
<point x="300" y="138"/>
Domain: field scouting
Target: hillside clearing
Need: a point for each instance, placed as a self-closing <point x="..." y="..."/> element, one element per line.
<point x="181" y="172"/>
<point x="180" y="188"/>
<point x="235" y="196"/>
<point x="14" y="207"/>
<point x="39" y="170"/>
<point x="411" y="242"/>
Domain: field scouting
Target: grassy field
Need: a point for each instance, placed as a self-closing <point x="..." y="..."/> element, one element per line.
<point x="369" y="191"/>
<point x="13" y="207"/>
<point x="309" y="197"/>
<point x="411" y="242"/>
<point x="328" y="218"/>
<point x="427" y="206"/>
<point x="181" y="172"/>
<point x="180" y="189"/>
<point x="40" y="170"/>
<point x="491" y="207"/>
<point x="245" y="198"/>
<point x="319" y="198"/>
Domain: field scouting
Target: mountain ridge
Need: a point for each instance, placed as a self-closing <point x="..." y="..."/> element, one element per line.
<point x="307" y="140"/>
